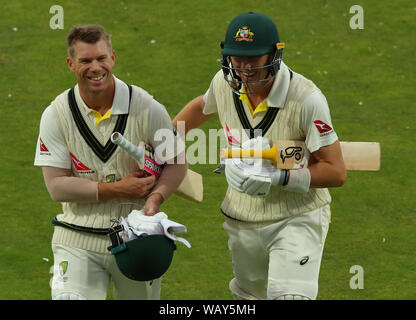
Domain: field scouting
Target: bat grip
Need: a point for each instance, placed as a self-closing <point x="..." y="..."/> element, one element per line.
<point x="135" y="151"/>
<point x="244" y="153"/>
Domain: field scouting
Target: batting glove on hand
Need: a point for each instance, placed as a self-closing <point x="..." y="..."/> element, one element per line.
<point x="253" y="176"/>
<point x="252" y="180"/>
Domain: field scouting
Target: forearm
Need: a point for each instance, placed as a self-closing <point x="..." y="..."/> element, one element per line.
<point x="170" y="179"/>
<point x="66" y="188"/>
<point x="192" y="114"/>
<point x="326" y="175"/>
<point x="327" y="167"/>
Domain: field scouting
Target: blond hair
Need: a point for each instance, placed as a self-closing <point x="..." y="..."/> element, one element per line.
<point x="89" y="33"/>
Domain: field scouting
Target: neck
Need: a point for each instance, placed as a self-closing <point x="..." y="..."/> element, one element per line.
<point x="100" y="101"/>
<point x="258" y="94"/>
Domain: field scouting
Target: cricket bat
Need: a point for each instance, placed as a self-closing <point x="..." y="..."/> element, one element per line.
<point x="191" y="187"/>
<point x="288" y="154"/>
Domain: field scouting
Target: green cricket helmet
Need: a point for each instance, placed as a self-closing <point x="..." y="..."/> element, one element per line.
<point x="143" y="259"/>
<point x="251" y="35"/>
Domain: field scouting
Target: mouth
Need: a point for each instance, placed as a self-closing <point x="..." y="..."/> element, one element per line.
<point x="249" y="76"/>
<point x="96" y="78"/>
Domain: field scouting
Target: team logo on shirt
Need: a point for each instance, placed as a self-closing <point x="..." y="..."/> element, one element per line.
<point x="43" y="149"/>
<point x="110" y="178"/>
<point x="79" y="166"/>
<point x="323" y="128"/>
<point x="63" y="267"/>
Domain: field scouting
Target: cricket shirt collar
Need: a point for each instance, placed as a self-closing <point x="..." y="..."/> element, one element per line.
<point x="278" y="93"/>
<point x="120" y="101"/>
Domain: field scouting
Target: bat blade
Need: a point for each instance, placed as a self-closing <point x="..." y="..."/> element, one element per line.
<point x="191" y="187"/>
<point x="361" y="156"/>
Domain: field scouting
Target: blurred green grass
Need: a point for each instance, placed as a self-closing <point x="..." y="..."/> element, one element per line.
<point x="367" y="76"/>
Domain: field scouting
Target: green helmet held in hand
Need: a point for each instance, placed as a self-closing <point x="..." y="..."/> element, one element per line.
<point x="143" y="259"/>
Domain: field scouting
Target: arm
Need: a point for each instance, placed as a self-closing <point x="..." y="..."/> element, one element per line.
<point x="327" y="167"/>
<point x="170" y="179"/>
<point x="63" y="187"/>
<point x="192" y="114"/>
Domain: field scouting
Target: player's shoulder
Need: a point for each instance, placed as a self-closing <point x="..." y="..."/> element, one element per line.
<point x="138" y="91"/>
<point x="219" y="76"/>
<point x="142" y="102"/>
<point x="61" y="98"/>
<point x="301" y="80"/>
<point x="306" y="88"/>
<point x="139" y="94"/>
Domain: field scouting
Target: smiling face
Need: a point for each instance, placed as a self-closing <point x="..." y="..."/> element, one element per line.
<point x="252" y="71"/>
<point x="92" y="63"/>
<point x="250" y="67"/>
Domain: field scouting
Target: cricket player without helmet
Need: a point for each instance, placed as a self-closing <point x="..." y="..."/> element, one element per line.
<point x="93" y="177"/>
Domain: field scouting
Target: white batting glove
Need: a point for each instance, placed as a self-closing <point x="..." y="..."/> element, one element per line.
<point x="242" y="180"/>
<point x="253" y="176"/>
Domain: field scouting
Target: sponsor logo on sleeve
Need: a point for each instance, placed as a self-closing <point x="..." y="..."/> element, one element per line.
<point x="323" y="128"/>
<point x="43" y="149"/>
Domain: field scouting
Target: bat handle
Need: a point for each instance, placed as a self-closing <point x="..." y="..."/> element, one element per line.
<point x="134" y="151"/>
<point x="269" y="154"/>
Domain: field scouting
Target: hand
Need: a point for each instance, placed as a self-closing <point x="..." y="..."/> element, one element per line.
<point x="253" y="176"/>
<point x="152" y="205"/>
<point x="248" y="179"/>
<point x="136" y="185"/>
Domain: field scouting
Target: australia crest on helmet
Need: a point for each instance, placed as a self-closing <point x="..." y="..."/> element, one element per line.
<point x="244" y="34"/>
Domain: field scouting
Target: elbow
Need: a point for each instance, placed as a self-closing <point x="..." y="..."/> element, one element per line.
<point x="54" y="192"/>
<point x="55" y="196"/>
<point x="341" y="178"/>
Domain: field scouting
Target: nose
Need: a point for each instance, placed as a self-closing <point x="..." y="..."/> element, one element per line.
<point x="94" y="65"/>
<point x="246" y="64"/>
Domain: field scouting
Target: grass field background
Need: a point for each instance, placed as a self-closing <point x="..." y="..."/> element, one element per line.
<point x="171" y="49"/>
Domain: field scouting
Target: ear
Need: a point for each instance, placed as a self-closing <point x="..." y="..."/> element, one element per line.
<point x="70" y="64"/>
<point x="113" y="57"/>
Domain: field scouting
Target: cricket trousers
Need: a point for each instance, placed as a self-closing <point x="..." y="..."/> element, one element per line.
<point x="278" y="260"/>
<point x="86" y="275"/>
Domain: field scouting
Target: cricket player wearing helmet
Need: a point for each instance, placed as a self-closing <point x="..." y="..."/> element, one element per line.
<point x="277" y="220"/>
<point x="93" y="177"/>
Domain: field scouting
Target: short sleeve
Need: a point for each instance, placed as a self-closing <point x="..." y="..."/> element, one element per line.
<point x="166" y="142"/>
<point x="316" y="122"/>
<point x="51" y="149"/>
<point x="210" y="101"/>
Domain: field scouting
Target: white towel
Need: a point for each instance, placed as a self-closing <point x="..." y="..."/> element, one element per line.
<point x="137" y="224"/>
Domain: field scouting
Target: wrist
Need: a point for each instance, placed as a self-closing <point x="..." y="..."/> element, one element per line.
<point x="280" y="177"/>
<point x="106" y="191"/>
<point x="156" y="197"/>
<point x="299" y="180"/>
